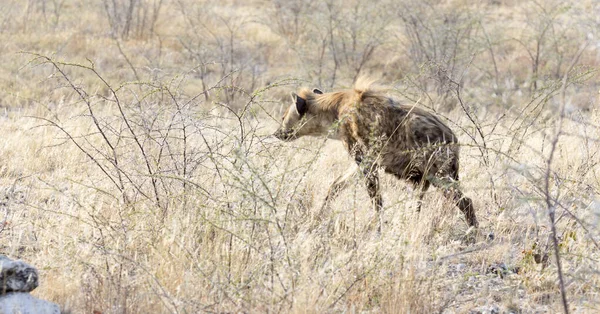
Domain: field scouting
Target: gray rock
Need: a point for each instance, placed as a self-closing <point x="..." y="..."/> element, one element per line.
<point x="16" y="276"/>
<point x="25" y="303"/>
<point x="17" y="279"/>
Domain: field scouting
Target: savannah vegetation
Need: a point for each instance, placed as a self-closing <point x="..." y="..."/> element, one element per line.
<point x="139" y="174"/>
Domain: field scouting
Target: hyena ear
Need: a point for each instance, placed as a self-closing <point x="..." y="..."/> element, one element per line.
<point x="301" y="105"/>
<point x="317" y="91"/>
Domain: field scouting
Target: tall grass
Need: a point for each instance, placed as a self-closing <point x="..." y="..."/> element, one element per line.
<point x="145" y="179"/>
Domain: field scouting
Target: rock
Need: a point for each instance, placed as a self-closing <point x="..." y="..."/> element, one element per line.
<point x="16" y="276"/>
<point x="25" y="303"/>
<point x="17" y="279"/>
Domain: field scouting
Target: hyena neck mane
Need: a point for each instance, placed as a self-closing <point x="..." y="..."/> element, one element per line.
<point x="326" y="112"/>
<point x="328" y="106"/>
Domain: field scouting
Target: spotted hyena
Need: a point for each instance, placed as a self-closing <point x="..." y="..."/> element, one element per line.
<point x="378" y="132"/>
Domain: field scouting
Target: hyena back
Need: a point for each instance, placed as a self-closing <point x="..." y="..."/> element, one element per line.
<point x="406" y="141"/>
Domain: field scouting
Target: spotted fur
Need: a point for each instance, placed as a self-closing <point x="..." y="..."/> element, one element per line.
<point x="378" y="132"/>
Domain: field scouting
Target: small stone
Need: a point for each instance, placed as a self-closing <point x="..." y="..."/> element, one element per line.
<point x="494" y="309"/>
<point x="502" y="269"/>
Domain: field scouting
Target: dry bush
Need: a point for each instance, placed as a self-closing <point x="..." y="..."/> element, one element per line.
<point x="222" y="45"/>
<point x="438" y="45"/>
<point x="145" y="179"/>
<point x="132" y="18"/>
<point x="333" y="40"/>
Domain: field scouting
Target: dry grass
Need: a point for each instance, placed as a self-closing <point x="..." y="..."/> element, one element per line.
<point x="145" y="194"/>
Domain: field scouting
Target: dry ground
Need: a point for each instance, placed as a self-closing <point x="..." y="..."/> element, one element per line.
<point x="138" y="174"/>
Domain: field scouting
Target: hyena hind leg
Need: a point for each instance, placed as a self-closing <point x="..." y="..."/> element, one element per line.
<point x="424" y="188"/>
<point x="423" y="185"/>
<point x="453" y="193"/>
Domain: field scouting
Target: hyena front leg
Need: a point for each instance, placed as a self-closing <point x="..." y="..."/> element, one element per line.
<point x="369" y="169"/>
<point x="371" y="175"/>
<point x="372" y="181"/>
<point x="340" y="183"/>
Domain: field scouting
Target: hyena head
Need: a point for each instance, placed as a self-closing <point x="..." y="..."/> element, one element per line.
<point x="301" y="118"/>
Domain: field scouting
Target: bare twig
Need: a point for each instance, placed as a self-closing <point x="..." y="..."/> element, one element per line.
<point x="551" y="207"/>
